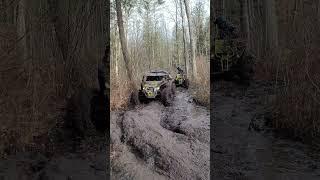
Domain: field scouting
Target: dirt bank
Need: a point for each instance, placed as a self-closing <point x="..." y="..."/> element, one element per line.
<point x="245" y="148"/>
<point x="157" y="142"/>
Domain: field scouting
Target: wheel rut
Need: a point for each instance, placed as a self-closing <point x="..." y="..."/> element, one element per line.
<point x="165" y="142"/>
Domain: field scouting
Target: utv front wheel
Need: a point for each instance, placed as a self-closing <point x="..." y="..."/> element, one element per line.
<point x="173" y="88"/>
<point x="142" y="97"/>
<point x="245" y="71"/>
<point x="78" y="112"/>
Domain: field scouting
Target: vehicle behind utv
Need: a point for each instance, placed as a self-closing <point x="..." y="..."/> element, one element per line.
<point x="181" y="79"/>
<point x="157" y="85"/>
<point x="230" y="54"/>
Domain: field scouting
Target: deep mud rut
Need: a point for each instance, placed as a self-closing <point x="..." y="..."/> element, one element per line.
<point x="157" y="142"/>
<point x="244" y="148"/>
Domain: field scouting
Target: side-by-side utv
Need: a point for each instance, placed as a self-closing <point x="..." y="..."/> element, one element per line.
<point x="157" y="85"/>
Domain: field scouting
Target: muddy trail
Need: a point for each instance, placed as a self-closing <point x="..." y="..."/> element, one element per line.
<point x="157" y="142"/>
<point x="245" y="148"/>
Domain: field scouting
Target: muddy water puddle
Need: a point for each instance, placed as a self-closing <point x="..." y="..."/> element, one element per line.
<point x="243" y="151"/>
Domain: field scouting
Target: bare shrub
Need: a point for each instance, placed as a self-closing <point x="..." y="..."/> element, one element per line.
<point x="200" y="88"/>
<point x="296" y="69"/>
<point x="297" y="104"/>
<point x="35" y="79"/>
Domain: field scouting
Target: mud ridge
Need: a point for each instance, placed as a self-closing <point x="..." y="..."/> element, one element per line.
<point x="163" y="142"/>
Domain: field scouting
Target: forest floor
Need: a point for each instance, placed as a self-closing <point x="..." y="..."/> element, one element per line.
<point x="245" y="147"/>
<point x="152" y="141"/>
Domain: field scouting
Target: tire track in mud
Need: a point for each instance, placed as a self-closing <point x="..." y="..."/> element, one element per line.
<point x="161" y="142"/>
<point x="248" y="149"/>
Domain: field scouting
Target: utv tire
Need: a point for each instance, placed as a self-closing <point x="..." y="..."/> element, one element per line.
<point x="186" y="83"/>
<point x="142" y="97"/>
<point x="245" y="71"/>
<point x="166" y="97"/>
<point x="100" y="112"/>
<point x="176" y="83"/>
<point x="173" y="88"/>
<point x="78" y="112"/>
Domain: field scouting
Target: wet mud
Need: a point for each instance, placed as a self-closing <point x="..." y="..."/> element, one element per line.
<point x="244" y="147"/>
<point x="157" y="142"/>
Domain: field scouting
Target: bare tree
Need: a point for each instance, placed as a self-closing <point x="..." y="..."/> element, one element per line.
<point x="125" y="52"/>
<point x="271" y="26"/>
<point x="244" y="20"/>
<point x="176" y="26"/>
<point x="21" y="27"/>
<point x="184" y="40"/>
<point x="218" y="7"/>
<point x="193" y="59"/>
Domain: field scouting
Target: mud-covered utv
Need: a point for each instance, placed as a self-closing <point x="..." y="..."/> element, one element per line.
<point x="157" y="85"/>
<point x="181" y="79"/>
<point x="230" y="56"/>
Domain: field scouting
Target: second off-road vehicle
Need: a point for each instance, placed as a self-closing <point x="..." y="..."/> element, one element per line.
<point x="181" y="79"/>
<point x="157" y="84"/>
<point x="230" y="54"/>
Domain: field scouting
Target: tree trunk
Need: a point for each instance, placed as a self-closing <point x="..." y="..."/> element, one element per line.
<point x="271" y="25"/>
<point x="117" y="55"/>
<point x="318" y="10"/>
<point x="218" y="8"/>
<point x="125" y="53"/>
<point x="177" y="42"/>
<point x="193" y="59"/>
<point x="184" y="40"/>
<point x="106" y="59"/>
<point x="211" y="27"/>
<point x="244" y="20"/>
<point x="21" y="28"/>
<point x="59" y="28"/>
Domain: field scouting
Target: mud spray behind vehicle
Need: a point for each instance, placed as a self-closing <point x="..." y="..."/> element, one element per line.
<point x="157" y="85"/>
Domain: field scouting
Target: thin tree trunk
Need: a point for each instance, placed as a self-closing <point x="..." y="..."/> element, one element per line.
<point x="21" y="29"/>
<point x="184" y="40"/>
<point x="117" y="55"/>
<point x="193" y="59"/>
<point x="167" y="45"/>
<point x="271" y="25"/>
<point x="125" y="53"/>
<point x="318" y="10"/>
<point x="218" y="8"/>
<point x="244" y="19"/>
<point x="177" y="42"/>
<point x="211" y="27"/>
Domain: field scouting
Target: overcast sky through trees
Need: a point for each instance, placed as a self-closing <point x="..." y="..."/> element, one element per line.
<point x="165" y="15"/>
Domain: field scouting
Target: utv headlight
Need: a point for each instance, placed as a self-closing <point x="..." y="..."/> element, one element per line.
<point x="144" y="87"/>
<point x="156" y="88"/>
